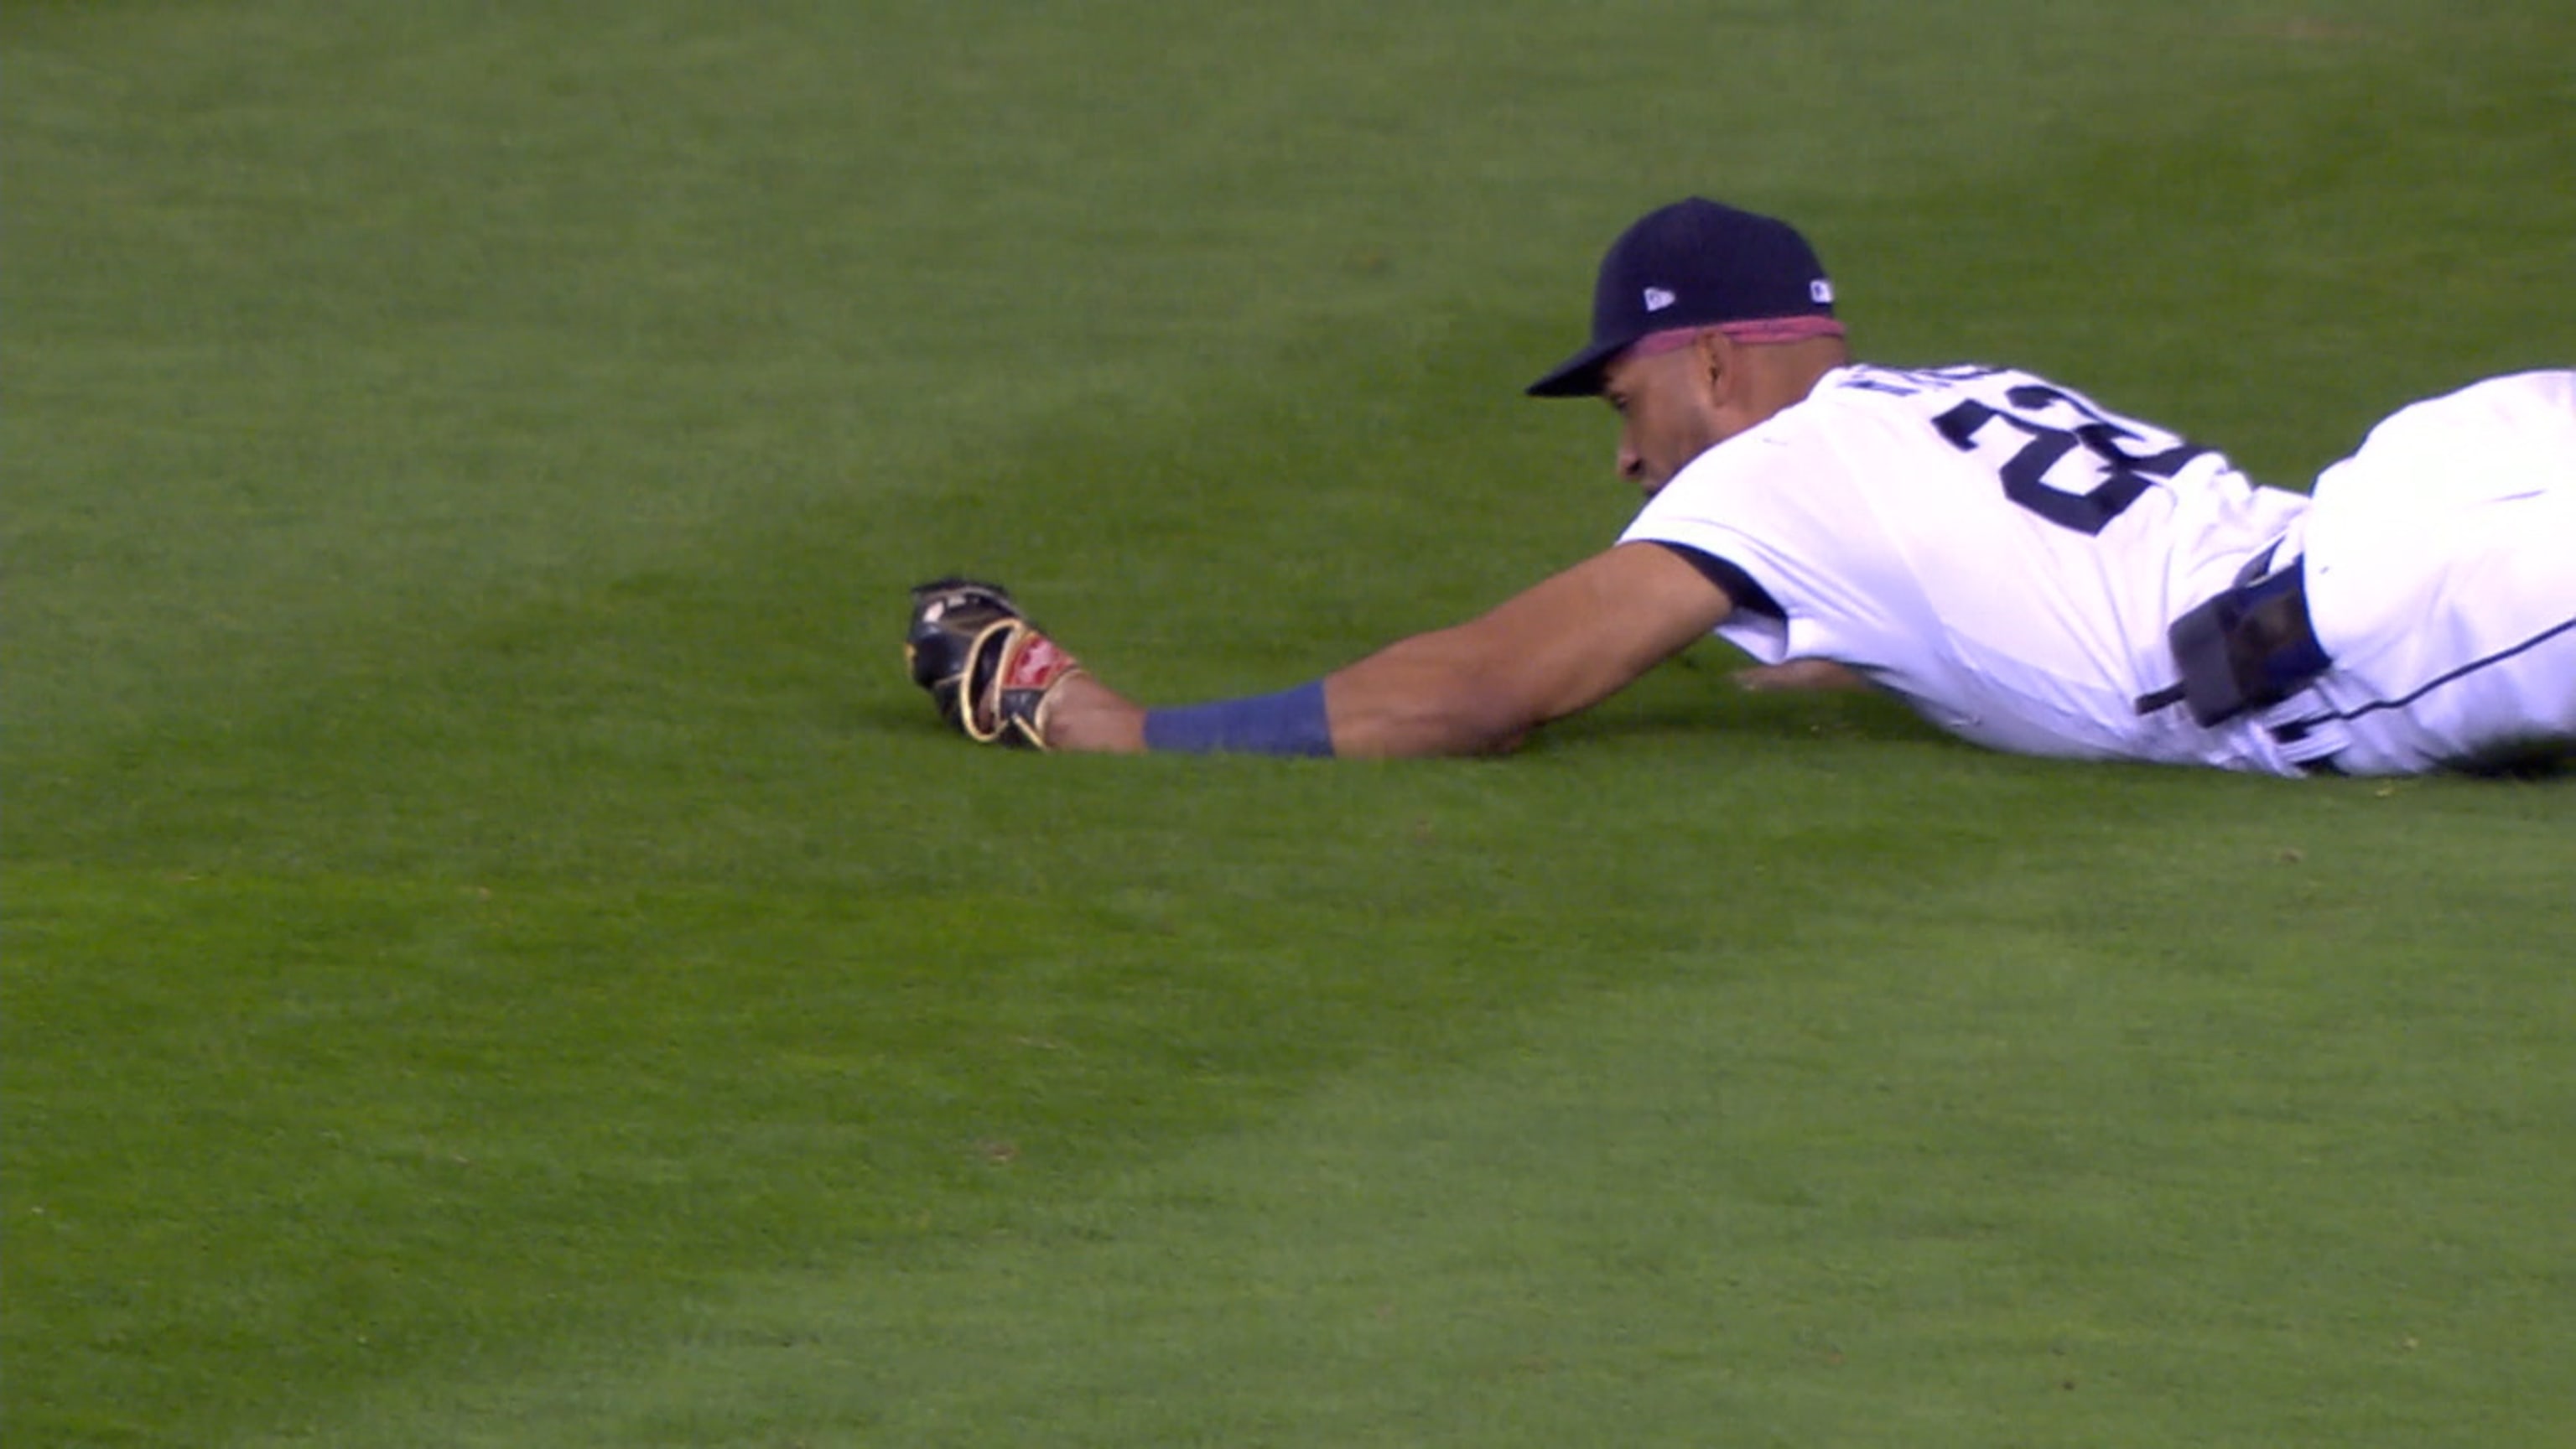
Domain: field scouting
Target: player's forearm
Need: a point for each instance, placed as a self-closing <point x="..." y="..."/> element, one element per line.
<point x="1426" y="696"/>
<point x="1552" y="650"/>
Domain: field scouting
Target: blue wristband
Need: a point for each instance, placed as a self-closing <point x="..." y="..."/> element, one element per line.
<point x="1291" y="722"/>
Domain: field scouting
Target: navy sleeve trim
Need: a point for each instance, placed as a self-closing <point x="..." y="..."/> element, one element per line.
<point x="1739" y="586"/>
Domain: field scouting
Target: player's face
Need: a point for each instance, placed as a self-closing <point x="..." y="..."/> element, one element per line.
<point x="1668" y="414"/>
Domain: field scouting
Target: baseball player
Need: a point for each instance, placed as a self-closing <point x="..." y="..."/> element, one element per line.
<point x="2025" y="567"/>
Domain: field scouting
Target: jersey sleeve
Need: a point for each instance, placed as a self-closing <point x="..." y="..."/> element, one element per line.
<point x="1738" y="586"/>
<point x="1776" y="506"/>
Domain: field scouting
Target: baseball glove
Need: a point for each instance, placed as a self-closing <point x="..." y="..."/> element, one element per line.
<point x="989" y="670"/>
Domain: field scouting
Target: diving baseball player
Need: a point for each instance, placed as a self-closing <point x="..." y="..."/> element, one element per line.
<point x="2026" y="568"/>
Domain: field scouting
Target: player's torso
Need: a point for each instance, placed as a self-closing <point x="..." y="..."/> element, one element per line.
<point x="2000" y="550"/>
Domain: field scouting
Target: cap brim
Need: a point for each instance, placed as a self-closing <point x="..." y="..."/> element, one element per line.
<point x="1579" y="375"/>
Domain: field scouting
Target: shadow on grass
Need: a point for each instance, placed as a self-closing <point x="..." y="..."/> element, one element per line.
<point x="1707" y="703"/>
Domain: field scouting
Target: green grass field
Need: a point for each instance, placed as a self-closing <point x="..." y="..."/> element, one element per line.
<point x="497" y="955"/>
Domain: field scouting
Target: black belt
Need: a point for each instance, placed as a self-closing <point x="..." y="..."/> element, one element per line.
<point x="2250" y="647"/>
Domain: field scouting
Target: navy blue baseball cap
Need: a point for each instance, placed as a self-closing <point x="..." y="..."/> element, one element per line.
<point x="1698" y="263"/>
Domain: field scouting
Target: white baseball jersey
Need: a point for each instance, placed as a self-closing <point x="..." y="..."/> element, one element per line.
<point x="2007" y="556"/>
<point x="1998" y="550"/>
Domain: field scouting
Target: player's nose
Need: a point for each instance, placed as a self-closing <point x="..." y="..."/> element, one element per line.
<point x="1632" y="464"/>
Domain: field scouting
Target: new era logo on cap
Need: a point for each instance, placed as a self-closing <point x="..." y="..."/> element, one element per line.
<point x="1657" y="299"/>
<point x="1821" y="292"/>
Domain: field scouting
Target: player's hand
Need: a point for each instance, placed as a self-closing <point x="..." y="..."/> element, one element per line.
<point x="993" y="676"/>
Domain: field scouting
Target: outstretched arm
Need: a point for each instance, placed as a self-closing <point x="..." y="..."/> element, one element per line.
<point x="1560" y="646"/>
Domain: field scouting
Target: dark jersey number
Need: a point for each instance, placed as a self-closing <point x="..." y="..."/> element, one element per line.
<point x="2120" y="475"/>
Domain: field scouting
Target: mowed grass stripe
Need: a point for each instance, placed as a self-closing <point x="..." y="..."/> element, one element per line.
<point x="1891" y="1177"/>
<point x="504" y="1115"/>
<point x="939" y="1076"/>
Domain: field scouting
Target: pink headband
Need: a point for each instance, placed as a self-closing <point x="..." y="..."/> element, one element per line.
<point x="1756" y="330"/>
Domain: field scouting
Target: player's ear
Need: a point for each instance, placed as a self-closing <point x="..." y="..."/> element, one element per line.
<point x="1718" y="358"/>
